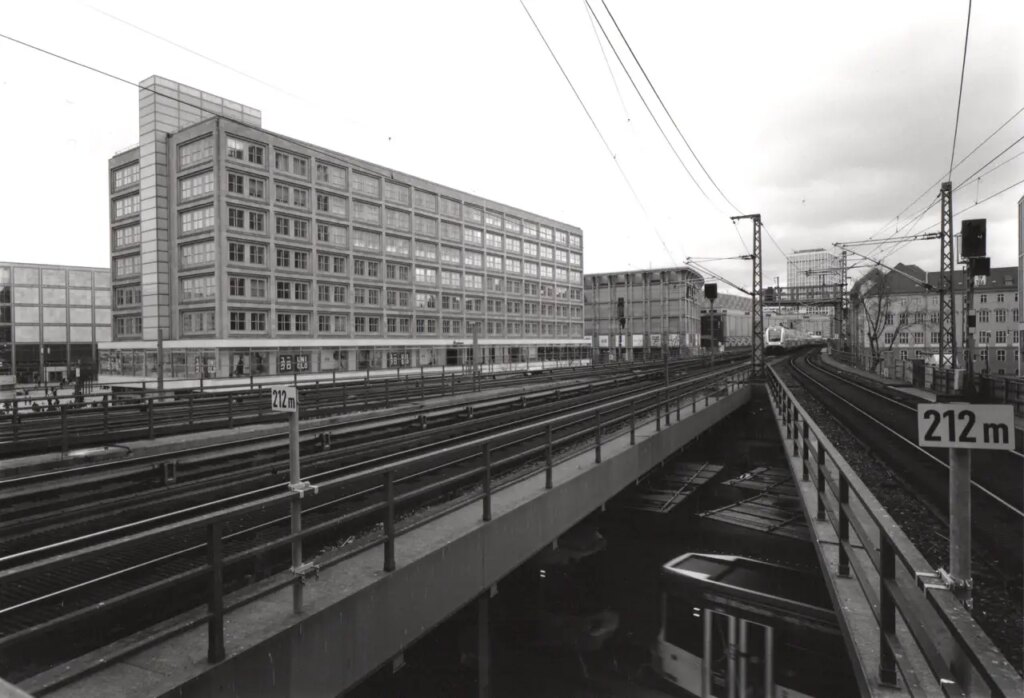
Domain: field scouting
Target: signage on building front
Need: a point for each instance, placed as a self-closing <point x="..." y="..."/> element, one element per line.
<point x="673" y="340"/>
<point x="603" y="341"/>
<point x="638" y="340"/>
<point x="655" y="340"/>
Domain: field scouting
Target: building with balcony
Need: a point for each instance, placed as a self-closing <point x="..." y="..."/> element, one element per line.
<point x="51" y="319"/>
<point x="248" y="252"/>
<point x="638" y="314"/>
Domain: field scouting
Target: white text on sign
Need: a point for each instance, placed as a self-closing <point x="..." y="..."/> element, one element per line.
<point x="283" y="399"/>
<point x="962" y="425"/>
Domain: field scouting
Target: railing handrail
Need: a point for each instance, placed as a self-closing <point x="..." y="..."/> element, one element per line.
<point x="986" y="660"/>
<point x="14" y="573"/>
<point x="663" y="395"/>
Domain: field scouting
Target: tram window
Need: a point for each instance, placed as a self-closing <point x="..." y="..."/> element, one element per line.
<point x="684" y="625"/>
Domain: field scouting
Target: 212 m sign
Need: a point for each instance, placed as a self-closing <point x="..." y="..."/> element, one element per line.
<point x="962" y="425"/>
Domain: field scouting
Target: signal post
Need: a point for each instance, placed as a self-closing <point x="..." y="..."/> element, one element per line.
<point x="286" y="399"/>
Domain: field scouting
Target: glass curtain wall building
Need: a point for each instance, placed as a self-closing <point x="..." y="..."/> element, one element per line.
<point x="51" y="319"/>
<point x="255" y="253"/>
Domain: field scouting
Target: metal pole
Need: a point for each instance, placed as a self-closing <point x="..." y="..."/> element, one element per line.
<point x="487" y="482"/>
<point x="960" y="522"/>
<point x="63" y="430"/>
<point x="597" y="439"/>
<point x="296" y="505"/>
<point x="160" y="361"/>
<point x="389" y="521"/>
<point x="947" y="318"/>
<point x="548" y="484"/>
<point x="215" y="606"/>
<point x="476" y="341"/>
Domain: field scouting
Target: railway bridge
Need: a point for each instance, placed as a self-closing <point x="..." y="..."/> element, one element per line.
<point x="229" y="578"/>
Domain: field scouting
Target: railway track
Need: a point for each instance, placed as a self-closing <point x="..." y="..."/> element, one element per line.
<point x="69" y="586"/>
<point x="886" y="426"/>
<point x="44" y="508"/>
<point x="107" y="422"/>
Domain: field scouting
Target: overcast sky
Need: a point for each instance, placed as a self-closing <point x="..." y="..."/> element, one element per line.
<point x="828" y="118"/>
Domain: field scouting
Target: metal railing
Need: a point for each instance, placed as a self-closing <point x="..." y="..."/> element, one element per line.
<point x="900" y="587"/>
<point x="153" y="413"/>
<point x="538" y="441"/>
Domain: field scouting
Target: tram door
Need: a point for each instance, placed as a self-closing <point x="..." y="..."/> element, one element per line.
<point x="737" y="657"/>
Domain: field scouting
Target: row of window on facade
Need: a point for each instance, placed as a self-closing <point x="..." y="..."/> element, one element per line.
<point x="201" y="322"/>
<point x="337" y="176"/>
<point x="202" y="219"/>
<point x="998" y="315"/>
<point x="1000" y="356"/>
<point x="34" y="276"/>
<point x="982" y="337"/>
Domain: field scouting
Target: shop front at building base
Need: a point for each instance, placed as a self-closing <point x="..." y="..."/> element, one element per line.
<point x="183" y="360"/>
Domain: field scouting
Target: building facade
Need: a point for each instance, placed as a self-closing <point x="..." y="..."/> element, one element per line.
<point x="51" y="319"/>
<point x="908" y="318"/>
<point x="659" y="311"/>
<point x="813" y="268"/>
<point x="253" y="253"/>
<point x="1020" y="278"/>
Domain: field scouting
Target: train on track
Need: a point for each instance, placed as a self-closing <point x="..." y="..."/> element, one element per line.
<point x="779" y="339"/>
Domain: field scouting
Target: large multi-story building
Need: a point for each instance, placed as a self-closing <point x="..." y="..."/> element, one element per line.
<point x="904" y="317"/>
<point x="251" y="252"/>
<point x="51" y="318"/>
<point x="637" y="314"/>
<point x="813" y="268"/>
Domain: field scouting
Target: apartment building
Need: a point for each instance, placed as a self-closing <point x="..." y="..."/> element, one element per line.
<point x="254" y="253"/>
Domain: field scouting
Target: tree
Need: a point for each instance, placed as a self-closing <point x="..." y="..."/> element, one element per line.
<point x="885" y="311"/>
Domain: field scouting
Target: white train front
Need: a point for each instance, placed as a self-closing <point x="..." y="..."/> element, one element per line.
<point x="778" y="339"/>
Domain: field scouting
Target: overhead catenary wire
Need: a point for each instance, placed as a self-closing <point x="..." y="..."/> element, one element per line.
<point x="943" y="176"/>
<point x="607" y="65"/>
<point x="975" y="176"/>
<point x="960" y="95"/>
<point x="593" y="123"/>
<point x="215" y="61"/>
<point x="662" y="103"/>
<point x="595" y="19"/>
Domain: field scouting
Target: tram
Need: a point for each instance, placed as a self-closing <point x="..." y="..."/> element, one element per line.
<point x="733" y="626"/>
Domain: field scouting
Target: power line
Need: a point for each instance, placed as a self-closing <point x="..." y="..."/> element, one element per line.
<point x="967" y="180"/>
<point x="943" y="177"/>
<point x="662" y="103"/>
<point x="607" y="65"/>
<point x="195" y="53"/>
<point x="600" y="135"/>
<point x="594" y="18"/>
<point x="959" y="99"/>
<point x="644" y="101"/>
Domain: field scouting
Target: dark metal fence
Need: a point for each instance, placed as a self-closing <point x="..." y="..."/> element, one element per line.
<point x="917" y="617"/>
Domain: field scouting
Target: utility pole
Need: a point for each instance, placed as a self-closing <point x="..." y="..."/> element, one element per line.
<point x="160" y="361"/>
<point x="947" y="320"/>
<point x="841" y="306"/>
<point x="757" y="301"/>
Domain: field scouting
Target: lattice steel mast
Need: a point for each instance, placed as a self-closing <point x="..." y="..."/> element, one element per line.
<point x="757" y="301"/>
<point x="947" y="317"/>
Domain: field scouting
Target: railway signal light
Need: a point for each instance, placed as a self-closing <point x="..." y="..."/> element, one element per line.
<point x="711" y="291"/>
<point x="979" y="266"/>
<point x="972" y="238"/>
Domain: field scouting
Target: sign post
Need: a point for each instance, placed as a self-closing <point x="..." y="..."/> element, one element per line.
<point x="962" y="427"/>
<point x="286" y="399"/>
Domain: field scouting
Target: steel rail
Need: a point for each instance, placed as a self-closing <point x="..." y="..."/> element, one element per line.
<point x="980" y="488"/>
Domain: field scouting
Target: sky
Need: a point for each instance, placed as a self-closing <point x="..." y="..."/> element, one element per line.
<point x="826" y="118"/>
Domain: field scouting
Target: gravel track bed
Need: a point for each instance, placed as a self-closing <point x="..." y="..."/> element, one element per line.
<point x="997" y="599"/>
